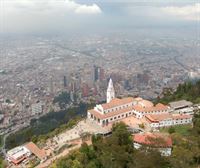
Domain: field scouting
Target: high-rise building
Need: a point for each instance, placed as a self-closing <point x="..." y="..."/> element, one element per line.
<point x="65" y="81"/>
<point x="37" y="108"/>
<point x="101" y="74"/>
<point x="85" y="90"/>
<point x="98" y="73"/>
<point x="51" y="85"/>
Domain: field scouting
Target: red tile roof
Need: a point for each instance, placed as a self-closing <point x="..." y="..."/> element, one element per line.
<point x="17" y="161"/>
<point x="117" y="102"/>
<point x="145" y="103"/>
<point x="158" y="117"/>
<point x="182" y="116"/>
<point x="164" y="116"/>
<point x="153" y="139"/>
<point x="35" y="150"/>
<point x="158" y="107"/>
<point x="109" y="114"/>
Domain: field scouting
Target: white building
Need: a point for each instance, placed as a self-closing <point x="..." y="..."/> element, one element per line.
<point x="116" y="109"/>
<point x="167" y="119"/>
<point x="182" y="107"/>
<point x="146" y="107"/>
<point x="18" y="154"/>
<point x="37" y="108"/>
<point x="156" y="141"/>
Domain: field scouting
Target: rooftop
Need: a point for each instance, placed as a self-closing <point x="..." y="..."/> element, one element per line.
<point x="181" y="103"/>
<point x="110" y="114"/>
<point x="35" y="150"/>
<point x="117" y="102"/>
<point x="17" y="152"/>
<point x="165" y="116"/>
<point x="153" y="139"/>
<point x="158" y="107"/>
<point x="145" y="103"/>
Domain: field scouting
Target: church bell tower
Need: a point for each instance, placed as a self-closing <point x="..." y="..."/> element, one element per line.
<point x="110" y="91"/>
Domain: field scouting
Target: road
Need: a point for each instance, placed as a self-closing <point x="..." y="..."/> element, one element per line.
<point x="3" y="149"/>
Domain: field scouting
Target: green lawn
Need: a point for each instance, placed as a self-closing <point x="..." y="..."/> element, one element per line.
<point x="183" y="130"/>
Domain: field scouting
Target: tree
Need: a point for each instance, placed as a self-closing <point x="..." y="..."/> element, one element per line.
<point x="150" y="159"/>
<point x="2" y="163"/>
<point x="8" y="101"/>
<point x="62" y="99"/>
<point x="171" y="130"/>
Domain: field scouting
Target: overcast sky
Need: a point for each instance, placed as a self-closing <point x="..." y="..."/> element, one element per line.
<point x="32" y="16"/>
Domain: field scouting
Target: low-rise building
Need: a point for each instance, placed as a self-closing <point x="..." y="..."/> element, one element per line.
<point x="155" y="141"/>
<point x="182" y="107"/>
<point x="22" y="153"/>
<point x="168" y="119"/>
<point x="18" y="154"/>
<point x="37" y="108"/>
<point x="39" y="153"/>
<point x="159" y="108"/>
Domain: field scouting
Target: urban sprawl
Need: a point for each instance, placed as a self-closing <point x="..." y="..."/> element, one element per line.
<point x="128" y="72"/>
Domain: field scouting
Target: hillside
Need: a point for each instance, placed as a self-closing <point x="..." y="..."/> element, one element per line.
<point x="188" y="91"/>
<point x="47" y="126"/>
<point x="117" y="150"/>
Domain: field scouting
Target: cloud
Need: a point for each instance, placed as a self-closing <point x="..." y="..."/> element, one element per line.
<point x="84" y="9"/>
<point x="52" y="5"/>
<point x="44" y="15"/>
<point x="189" y="12"/>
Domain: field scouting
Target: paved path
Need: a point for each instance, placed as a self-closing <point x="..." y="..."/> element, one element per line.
<point x="50" y="161"/>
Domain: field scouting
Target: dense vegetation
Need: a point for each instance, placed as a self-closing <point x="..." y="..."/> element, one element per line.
<point x="2" y="163"/>
<point x="188" y="91"/>
<point x="62" y="99"/>
<point x="184" y="130"/>
<point x="47" y="126"/>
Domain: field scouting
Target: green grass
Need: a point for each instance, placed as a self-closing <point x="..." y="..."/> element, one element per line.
<point x="183" y="130"/>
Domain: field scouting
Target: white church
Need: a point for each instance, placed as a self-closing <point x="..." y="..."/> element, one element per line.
<point x="116" y="109"/>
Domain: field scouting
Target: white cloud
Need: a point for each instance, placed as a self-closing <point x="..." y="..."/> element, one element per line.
<point x="84" y="9"/>
<point x="52" y="5"/>
<point x="36" y="15"/>
<point x="189" y="12"/>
